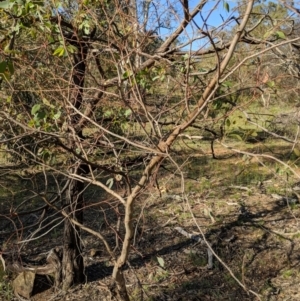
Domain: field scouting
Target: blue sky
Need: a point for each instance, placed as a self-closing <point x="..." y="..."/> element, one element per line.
<point x="217" y="12"/>
<point x="214" y="9"/>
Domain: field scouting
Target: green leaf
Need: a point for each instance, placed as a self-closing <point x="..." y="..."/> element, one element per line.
<point x="31" y="123"/>
<point x="110" y="182"/>
<point x="252" y="133"/>
<point x="186" y="57"/>
<point x="235" y="136"/>
<point x="10" y="67"/>
<point x="6" y="4"/>
<point x="108" y="113"/>
<point x="57" y="115"/>
<point x="125" y="74"/>
<point x="47" y="103"/>
<point x="226" y="6"/>
<point x="59" y="51"/>
<point x="40" y="115"/>
<point x="39" y="3"/>
<point x="35" y="109"/>
<point x="16" y="28"/>
<point x="27" y="8"/>
<point x="280" y="35"/>
<point x="46" y="155"/>
<point x="3" y="66"/>
<point x="296" y="152"/>
<point x="72" y="49"/>
<point x="228" y="123"/>
<point x="161" y="261"/>
<point x="227" y="84"/>
<point x="127" y="112"/>
<point x="86" y="30"/>
<point x="155" y="78"/>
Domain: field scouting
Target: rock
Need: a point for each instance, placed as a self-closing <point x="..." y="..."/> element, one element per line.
<point x="23" y="284"/>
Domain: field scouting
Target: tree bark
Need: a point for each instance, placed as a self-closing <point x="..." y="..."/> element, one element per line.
<point x="72" y="263"/>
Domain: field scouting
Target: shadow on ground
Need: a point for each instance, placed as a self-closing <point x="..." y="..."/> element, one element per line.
<point x="254" y="242"/>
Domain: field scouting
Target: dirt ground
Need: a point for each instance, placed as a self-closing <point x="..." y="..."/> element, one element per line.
<point x="252" y="225"/>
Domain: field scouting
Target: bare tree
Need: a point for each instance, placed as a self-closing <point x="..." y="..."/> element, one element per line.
<point x="84" y="90"/>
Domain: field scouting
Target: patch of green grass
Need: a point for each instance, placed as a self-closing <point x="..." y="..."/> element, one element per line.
<point x="266" y="288"/>
<point x="200" y="186"/>
<point x="161" y="275"/>
<point x="6" y="290"/>
<point x="251" y="175"/>
<point x="236" y="196"/>
<point x="195" y="168"/>
<point x="288" y="273"/>
<point x="273" y="190"/>
<point x="294" y="206"/>
<point x="183" y="216"/>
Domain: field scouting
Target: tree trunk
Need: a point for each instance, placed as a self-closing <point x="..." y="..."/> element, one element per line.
<point x="120" y="286"/>
<point x="72" y="263"/>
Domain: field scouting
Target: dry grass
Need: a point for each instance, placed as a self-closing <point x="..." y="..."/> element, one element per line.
<point x="254" y="233"/>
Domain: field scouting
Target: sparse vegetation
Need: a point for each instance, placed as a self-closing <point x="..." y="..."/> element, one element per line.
<point x="138" y="138"/>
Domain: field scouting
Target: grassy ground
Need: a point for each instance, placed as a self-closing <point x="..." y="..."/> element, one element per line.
<point x="246" y="206"/>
